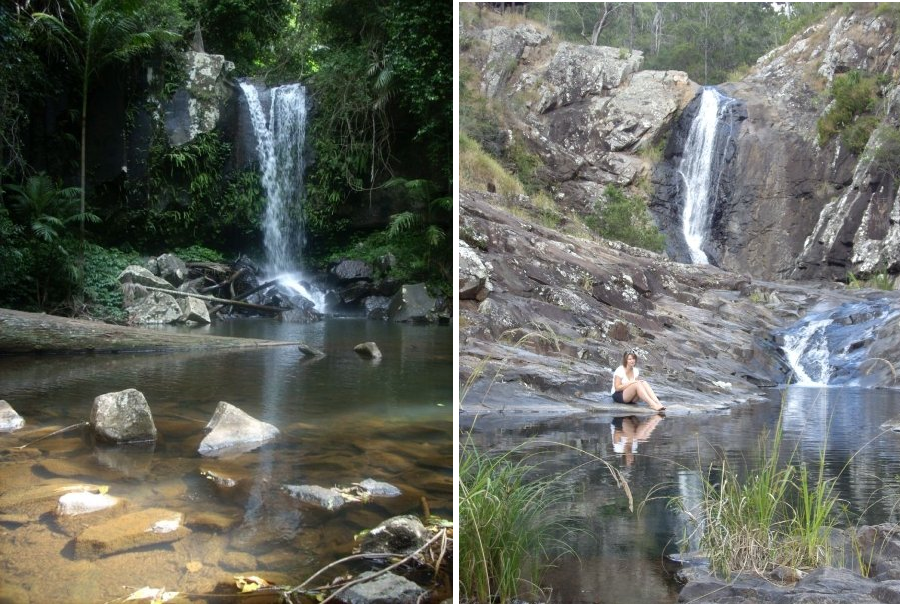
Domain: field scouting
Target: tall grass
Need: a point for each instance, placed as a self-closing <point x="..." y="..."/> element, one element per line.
<point x="511" y="526"/>
<point x="779" y="514"/>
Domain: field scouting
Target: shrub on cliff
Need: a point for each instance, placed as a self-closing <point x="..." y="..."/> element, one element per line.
<point x="626" y="219"/>
<point x="855" y="94"/>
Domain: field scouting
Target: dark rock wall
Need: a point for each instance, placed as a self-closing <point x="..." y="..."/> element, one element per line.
<point x="667" y="203"/>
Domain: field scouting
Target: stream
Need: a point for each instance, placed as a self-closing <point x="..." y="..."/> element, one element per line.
<point x="342" y="419"/>
<point x="616" y="546"/>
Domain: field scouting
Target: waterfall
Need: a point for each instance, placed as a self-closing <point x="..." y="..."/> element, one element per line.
<point x="839" y="346"/>
<point x="280" y="141"/>
<point x="698" y="171"/>
<point x="807" y="353"/>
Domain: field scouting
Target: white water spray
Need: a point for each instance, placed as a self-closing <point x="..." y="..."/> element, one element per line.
<point x="807" y="353"/>
<point x="696" y="171"/>
<point x="280" y="142"/>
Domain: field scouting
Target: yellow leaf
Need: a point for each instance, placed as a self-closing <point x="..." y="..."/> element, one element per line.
<point x="194" y="566"/>
<point x="103" y="490"/>
<point x="248" y="584"/>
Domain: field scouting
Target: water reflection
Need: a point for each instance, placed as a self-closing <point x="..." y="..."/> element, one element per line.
<point x="629" y="431"/>
<point x="342" y="419"/>
<point x="663" y="459"/>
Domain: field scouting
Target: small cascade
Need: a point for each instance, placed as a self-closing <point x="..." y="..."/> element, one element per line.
<point x="699" y="171"/>
<point x="280" y="142"/>
<point x="835" y="347"/>
<point x="807" y="353"/>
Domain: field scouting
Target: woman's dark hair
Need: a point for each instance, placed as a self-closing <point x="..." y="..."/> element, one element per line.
<point x="629" y="353"/>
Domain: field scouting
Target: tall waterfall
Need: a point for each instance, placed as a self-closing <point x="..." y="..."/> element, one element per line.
<point x="280" y="141"/>
<point x="698" y="171"/>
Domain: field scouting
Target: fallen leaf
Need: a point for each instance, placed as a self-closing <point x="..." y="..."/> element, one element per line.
<point x="252" y="583"/>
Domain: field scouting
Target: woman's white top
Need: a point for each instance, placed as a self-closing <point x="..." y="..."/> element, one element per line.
<point x="621" y="373"/>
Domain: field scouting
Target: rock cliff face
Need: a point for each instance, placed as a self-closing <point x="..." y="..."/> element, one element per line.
<point x="586" y="111"/>
<point x="797" y="209"/>
<point x="787" y="207"/>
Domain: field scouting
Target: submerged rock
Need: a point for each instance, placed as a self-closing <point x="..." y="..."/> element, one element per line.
<point x="386" y="588"/>
<point x="74" y="504"/>
<point x="329" y="499"/>
<point x="398" y="535"/>
<point x="147" y="527"/>
<point x="122" y="417"/>
<point x="10" y="421"/>
<point x="379" y="489"/>
<point x="231" y="432"/>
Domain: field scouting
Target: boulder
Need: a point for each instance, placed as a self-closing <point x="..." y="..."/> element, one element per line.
<point x="507" y="47"/>
<point x="385" y="588"/>
<point x="412" y="304"/>
<point x="193" y="309"/>
<point x="326" y="498"/>
<point x="474" y="283"/>
<point x="368" y="350"/>
<point x="352" y="270"/>
<point x="397" y="535"/>
<point x="153" y="526"/>
<point x="172" y="269"/>
<point x="377" y="307"/>
<point x="231" y="432"/>
<point x="10" y="421"/>
<point x="157" y="308"/>
<point x="122" y="417"/>
<point x="139" y="275"/>
<point x="578" y="72"/>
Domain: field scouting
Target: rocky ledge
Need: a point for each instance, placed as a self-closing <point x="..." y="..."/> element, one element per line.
<point x="545" y="318"/>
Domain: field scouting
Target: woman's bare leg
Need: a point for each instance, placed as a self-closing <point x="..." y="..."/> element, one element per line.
<point x="645" y="393"/>
<point x="650" y="392"/>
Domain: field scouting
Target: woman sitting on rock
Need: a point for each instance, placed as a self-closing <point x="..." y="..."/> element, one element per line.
<point x="628" y="388"/>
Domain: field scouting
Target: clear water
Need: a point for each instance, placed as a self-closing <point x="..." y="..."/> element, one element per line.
<point x="343" y="419"/>
<point x="616" y="547"/>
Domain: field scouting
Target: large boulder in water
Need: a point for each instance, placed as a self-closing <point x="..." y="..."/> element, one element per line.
<point x="9" y="419"/>
<point x="231" y="432"/>
<point x="412" y="304"/>
<point x="122" y="417"/>
<point x="158" y="308"/>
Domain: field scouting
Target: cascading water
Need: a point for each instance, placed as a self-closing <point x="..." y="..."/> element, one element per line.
<point x="280" y="141"/>
<point x="698" y="171"/>
<point x="806" y="350"/>
<point x="834" y="347"/>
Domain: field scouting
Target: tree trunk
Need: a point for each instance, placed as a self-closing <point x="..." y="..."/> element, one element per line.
<point x="23" y="333"/>
<point x="225" y="301"/>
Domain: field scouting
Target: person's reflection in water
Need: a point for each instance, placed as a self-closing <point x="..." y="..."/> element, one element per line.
<point x="628" y="431"/>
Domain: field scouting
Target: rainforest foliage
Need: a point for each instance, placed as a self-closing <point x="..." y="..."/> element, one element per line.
<point x="83" y="76"/>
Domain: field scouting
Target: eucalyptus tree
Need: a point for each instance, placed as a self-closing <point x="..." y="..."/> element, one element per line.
<point x="90" y="35"/>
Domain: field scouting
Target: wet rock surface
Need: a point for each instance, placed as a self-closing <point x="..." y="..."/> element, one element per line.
<point x="147" y="527"/>
<point x="122" y="417"/>
<point x="562" y="311"/>
<point x="232" y="432"/>
<point x="10" y="421"/>
<point x="386" y="588"/>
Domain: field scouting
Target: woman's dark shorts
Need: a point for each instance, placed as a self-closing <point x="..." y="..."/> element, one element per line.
<point x="617" y="396"/>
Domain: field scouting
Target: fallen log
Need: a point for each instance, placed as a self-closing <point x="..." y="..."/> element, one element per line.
<point x="224" y="301"/>
<point x="24" y="332"/>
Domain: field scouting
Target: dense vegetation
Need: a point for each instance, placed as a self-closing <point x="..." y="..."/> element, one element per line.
<point x="83" y="76"/>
